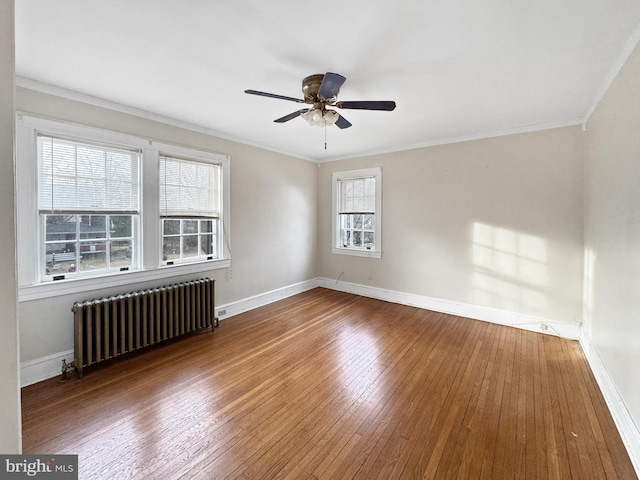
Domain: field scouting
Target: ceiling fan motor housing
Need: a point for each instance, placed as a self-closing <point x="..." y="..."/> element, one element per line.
<point x="311" y="86"/>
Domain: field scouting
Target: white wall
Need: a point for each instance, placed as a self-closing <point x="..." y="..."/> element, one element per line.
<point x="10" y="425"/>
<point x="493" y="223"/>
<point x="612" y="233"/>
<point x="273" y="220"/>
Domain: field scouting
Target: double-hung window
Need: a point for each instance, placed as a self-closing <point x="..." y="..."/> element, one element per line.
<point x="357" y="212"/>
<point x="98" y="208"/>
<point x="89" y="207"/>
<point x="190" y="206"/>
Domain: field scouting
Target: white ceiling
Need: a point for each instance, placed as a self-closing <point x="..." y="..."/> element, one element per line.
<point x="456" y="69"/>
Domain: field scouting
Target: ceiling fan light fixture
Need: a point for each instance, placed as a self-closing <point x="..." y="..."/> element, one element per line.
<point x="320" y="118"/>
<point x="330" y="117"/>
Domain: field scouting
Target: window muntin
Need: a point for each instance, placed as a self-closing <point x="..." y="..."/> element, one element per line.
<point x="82" y="243"/>
<point x="357" y="230"/>
<point x="356" y="211"/>
<point x="187" y="239"/>
<point x="88" y="205"/>
<point x="190" y="210"/>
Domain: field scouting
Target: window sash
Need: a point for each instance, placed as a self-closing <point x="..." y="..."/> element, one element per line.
<point x="88" y="243"/>
<point x="189" y="188"/>
<point x="189" y="239"/>
<point x="86" y="177"/>
<point x="357" y="195"/>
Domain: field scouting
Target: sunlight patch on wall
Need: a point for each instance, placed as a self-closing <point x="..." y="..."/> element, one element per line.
<point x="510" y="269"/>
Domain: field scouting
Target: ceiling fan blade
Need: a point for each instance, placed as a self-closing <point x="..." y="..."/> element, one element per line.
<point x="342" y="122"/>
<point x="273" y="95"/>
<point x="330" y="86"/>
<point x="291" y="116"/>
<point x="368" y="105"/>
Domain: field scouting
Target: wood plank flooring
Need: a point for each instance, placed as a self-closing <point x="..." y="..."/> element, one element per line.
<point x="327" y="385"/>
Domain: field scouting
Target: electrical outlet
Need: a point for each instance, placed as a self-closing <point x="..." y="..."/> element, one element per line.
<point x="544" y="327"/>
<point x="222" y="313"/>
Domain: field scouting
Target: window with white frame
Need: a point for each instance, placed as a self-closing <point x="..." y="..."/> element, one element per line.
<point x="88" y="206"/>
<point x="83" y="214"/>
<point x="190" y="210"/>
<point x="357" y="209"/>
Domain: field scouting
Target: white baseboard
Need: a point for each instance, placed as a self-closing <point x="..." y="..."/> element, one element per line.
<point x="35" y="371"/>
<point x="244" y="305"/>
<point x="487" y="314"/>
<point x="627" y="428"/>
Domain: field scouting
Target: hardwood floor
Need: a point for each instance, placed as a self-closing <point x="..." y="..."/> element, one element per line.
<point x="327" y="385"/>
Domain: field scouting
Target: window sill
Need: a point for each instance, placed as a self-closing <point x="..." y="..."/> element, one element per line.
<point x="357" y="253"/>
<point x="82" y="285"/>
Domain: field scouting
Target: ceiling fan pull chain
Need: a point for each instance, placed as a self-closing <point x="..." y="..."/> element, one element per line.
<point x="325" y="137"/>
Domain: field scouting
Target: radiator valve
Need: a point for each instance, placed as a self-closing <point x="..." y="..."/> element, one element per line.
<point x="67" y="368"/>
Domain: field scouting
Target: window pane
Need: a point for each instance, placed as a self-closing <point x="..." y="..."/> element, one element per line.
<point x="171" y="227"/>
<point x="368" y="239"/>
<point x="369" y="222"/>
<point x="190" y="246"/>
<point x="93" y="226"/>
<point x="60" y="258"/>
<point x="171" y="248"/>
<point x="206" y="245"/>
<point x="93" y="256"/>
<point x="120" y="253"/>
<point x="189" y="226"/>
<point x="357" y="238"/>
<point x="121" y="226"/>
<point x="60" y="227"/>
<point x="357" y="222"/>
<point x="206" y="226"/>
<point x="346" y="238"/>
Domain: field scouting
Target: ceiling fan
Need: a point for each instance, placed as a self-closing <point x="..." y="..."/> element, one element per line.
<point x="321" y="91"/>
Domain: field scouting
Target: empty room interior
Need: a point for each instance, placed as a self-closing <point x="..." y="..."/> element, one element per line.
<point x="342" y="240"/>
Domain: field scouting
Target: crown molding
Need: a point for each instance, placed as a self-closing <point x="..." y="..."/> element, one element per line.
<point x="626" y="52"/>
<point x="49" y="89"/>
<point x="464" y="138"/>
